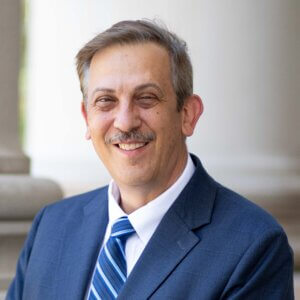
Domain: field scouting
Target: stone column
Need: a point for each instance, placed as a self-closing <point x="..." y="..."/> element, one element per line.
<point x="21" y="196"/>
<point x="251" y="93"/>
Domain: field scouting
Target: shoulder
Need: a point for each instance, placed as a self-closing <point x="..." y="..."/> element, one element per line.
<point x="257" y="244"/>
<point x="78" y="201"/>
<point x="243" y="232"/>
<point x="70" y="207"/>
<point x="229" y="211"/>
<point x="240" y="226"/>
<point x="241" y="214"/>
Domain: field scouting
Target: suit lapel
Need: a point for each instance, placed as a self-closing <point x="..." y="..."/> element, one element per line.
<point x="82" y="244"/>
<point x="94" y="227"/>
<point x="169" y="245"/>
<point x="174" y="237"/>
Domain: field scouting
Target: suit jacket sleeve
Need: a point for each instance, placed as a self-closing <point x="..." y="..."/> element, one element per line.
<point x="265" y="271"/>
<point x="16" y="288"/>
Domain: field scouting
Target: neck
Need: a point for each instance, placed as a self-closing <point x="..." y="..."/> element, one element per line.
<point x="134" y="197"/>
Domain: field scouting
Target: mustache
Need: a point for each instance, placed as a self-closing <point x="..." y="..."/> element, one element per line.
<point x="134" y="135"/>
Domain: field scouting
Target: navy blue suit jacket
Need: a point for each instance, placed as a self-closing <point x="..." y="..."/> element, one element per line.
<point x="211" y="244"/>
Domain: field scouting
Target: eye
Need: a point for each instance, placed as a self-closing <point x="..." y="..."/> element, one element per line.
<point x="147" y="100"/>
<point x="105" y="102"/>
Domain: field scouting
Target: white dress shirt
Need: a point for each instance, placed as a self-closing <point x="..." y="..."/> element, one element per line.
<point x="145" y="219"/>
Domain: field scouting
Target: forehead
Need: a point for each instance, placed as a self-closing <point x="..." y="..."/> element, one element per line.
<point x="130" y="63"/>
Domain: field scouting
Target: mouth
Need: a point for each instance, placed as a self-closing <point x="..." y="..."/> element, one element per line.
<point x="130" y="146"/>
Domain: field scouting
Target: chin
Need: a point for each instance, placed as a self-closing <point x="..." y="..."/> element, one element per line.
<point x="136" y="179"/>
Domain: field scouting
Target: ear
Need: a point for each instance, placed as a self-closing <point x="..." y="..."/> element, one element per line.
<point x="191" y="112"/>
<point x="84" y="114"/>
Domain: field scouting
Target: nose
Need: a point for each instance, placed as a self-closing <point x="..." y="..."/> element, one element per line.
<point x="127" y="118"/>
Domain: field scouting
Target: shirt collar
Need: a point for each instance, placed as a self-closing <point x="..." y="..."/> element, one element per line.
<point x="146" y="219"/>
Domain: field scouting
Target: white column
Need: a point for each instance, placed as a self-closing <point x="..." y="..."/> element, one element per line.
<point x="248" y="72"/>
<point x="21" y="196"/>
<point x="12" y="159"/>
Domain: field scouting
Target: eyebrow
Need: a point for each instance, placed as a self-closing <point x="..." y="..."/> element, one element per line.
<point x="137" y="89"/>
<point x="105" y="90"/>
<point x="147" y="85"/>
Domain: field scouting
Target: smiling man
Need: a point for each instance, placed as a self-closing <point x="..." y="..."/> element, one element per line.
<point x="132" y="118"/>
<point x="163" y="228"/>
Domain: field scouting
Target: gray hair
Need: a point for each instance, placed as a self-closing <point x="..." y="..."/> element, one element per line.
<point x="141" y="31"/>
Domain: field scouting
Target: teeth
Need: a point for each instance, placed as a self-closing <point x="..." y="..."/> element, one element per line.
<point x="131" y="146"/>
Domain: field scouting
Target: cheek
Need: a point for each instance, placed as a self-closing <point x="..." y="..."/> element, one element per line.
<point x="167" y="128"/>
<point x="99" y="124"/>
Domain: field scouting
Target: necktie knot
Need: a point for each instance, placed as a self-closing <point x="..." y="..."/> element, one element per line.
<point x="122" y="228"/>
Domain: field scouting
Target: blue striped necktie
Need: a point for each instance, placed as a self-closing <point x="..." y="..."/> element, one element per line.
<point x="111" y="272"/>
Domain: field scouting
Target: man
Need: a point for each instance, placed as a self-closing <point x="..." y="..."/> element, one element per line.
<point x="163" y="228"/>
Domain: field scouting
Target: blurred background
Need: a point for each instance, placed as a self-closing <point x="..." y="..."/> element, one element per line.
<point x="246" y="58"/>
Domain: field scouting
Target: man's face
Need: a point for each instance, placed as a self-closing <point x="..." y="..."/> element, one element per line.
<point x="132" y="115"/>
